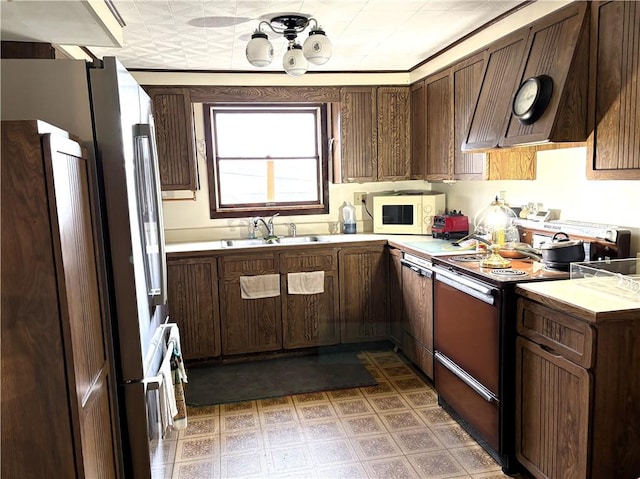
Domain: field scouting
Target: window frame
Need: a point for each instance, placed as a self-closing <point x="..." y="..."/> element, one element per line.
<point x="267" y="209"/>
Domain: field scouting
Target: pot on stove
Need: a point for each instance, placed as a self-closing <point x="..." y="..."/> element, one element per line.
<point x="557" y="253"/>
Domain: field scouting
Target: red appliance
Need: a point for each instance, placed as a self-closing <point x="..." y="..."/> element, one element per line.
<point x="452" y="225"/>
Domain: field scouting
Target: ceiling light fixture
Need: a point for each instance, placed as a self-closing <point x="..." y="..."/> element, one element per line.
<point x="316" y="48"/>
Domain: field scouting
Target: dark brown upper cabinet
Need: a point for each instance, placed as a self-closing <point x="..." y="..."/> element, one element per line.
<point x="614" y="92"/>
<point x="418" y="131"/>
<point x="374" y="134"/>
<point x="393" y="107"/>
<point x="173" y="116"/>
<point x="358" y="134"/>
<point x="556" y="45"/>
<point x="441" y="106"/>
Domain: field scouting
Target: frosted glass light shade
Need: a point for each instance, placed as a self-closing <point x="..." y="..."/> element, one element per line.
<point x="294" y="61"/>
<point x="317" y="47"/>
<point x="259" y="50"/>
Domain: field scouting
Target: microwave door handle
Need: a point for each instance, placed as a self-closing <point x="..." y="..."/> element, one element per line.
<point x="145" y="132"/>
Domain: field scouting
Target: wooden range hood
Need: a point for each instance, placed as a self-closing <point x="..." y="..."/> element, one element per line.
<point x="556" y="45"/>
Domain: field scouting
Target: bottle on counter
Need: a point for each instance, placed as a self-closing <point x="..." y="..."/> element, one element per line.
<point x="349" y="219"/>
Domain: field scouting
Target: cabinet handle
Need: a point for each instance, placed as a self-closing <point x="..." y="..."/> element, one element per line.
<point x="550" y="351"/>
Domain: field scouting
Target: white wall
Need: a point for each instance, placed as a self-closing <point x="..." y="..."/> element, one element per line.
<point x="561" y="183"/>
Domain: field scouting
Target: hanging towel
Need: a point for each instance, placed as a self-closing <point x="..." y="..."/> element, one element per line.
<point x="305" y="283"/>
<point x="166" y="392"/>
<point x="179" y="378"/>
<point x="262" y="286"/>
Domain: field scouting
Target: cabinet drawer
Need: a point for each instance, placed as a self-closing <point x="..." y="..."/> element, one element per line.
<point x="299" y="261"/>
<point x="234" y="266"/>
<point x="559" y="332"/>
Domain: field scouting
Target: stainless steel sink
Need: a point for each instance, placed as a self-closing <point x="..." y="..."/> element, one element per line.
<point x="244" y="243"/>
<point x="300" y="239"/>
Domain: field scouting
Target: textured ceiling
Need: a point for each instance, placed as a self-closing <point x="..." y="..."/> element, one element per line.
<point x="367" y="35"/>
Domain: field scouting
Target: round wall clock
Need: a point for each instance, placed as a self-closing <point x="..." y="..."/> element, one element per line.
<point x="532" y="98"/>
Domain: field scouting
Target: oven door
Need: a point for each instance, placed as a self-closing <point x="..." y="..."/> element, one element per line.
<point x="467" y="351"/>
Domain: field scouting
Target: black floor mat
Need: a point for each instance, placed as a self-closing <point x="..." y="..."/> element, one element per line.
<point x="275" y="377"/>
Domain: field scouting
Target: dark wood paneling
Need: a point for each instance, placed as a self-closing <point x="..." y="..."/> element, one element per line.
<point x="614" y="91"/>
<point x="54" y="330"/>
<point x="298" y="261"/>
<point x="439" y="99"/>
<point x="418" y="131"/>
<point x="557" y="46"/>
<point x="175" y="138"/>
<point x="467" y="77"/>
<point x="193" y="305"/>
<point x="552" y="413"/>
<point x="27" y="50"/>
<point x="393" y="108"/>
<point x="499" y="80"/>
<point x="236" y="265"/>
<point x="417" y="301"/>
<point x="209" y="94"/>
<point x="363" y="294"/>
<point x="395" y="296"/>
<point x="310" y="320"/>
<point x="250" y="325"/>
<point x="358" y="129"/>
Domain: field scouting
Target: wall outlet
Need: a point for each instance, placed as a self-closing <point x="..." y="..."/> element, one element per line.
<point x="358" y="198"/>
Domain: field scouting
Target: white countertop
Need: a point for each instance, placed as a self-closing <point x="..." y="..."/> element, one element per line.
<point x="423" y="243"/>
<point x="579" y="294"/>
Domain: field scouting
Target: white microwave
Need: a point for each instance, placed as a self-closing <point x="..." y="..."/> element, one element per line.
<point x="407" y="213"/>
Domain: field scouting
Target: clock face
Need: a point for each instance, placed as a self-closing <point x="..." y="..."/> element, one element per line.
<point x="526" y="97"/>
<point x="532" y="98"/>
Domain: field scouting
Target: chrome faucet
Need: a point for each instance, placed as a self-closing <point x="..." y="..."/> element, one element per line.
<point x="267" y="224"/>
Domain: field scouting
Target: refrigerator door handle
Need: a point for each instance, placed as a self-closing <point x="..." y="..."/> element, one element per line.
<point x="150" y="198"/>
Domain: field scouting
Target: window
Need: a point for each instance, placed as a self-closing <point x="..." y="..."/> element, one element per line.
<point x="266" y="158"/>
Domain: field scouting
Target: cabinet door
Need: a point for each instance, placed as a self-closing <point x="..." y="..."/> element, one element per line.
<point x="358" y="129"/>
<point x="439" y="99"/>
<point x="193" y="305"/>
<point x="393" y="133"/>
<point x="363" y="294"/>
<point x="614" y="95"/>
<point x="417" y="299"/>
<point x="499" y="79"/>
<point x="467" y="76"/>
<point x="173" y="119"/>
<point x="418" y="131"/>
<point x="250" y="325"/>
<point x="552" y="413"/>
<point x="395" y="296"/>
<point x="311" y="319"/>
<point x="81" y="297"/>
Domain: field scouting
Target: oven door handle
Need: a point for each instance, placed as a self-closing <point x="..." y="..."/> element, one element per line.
<point x="472" y="288"/>
<point x="465" y="377"/>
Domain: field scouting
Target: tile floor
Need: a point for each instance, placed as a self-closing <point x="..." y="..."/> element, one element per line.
<point x="392" y="430"/>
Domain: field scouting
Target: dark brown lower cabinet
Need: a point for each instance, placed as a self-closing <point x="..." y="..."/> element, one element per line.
<point x="58" y="412"/>
<point x="396" y="327"/>
<point x="577" y="392"/>
<point x="417" y="311"/>
<point x="193" y="305"/>
<point x="310" y="320"/>
<point x="364" y="309"/>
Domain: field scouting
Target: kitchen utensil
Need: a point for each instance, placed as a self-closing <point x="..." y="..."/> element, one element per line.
<point x="557" y="253"/>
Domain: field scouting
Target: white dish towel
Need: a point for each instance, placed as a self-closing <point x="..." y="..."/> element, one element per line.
<point x="305" y="283"/>
<point x="260" y="286"/>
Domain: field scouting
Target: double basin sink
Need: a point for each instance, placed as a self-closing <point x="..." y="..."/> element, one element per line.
<point x="284" y="240"/>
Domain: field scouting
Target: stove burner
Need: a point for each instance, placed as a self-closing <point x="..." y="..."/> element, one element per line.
<point x="508" y="272"/>
<point x="468" y="258"/>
